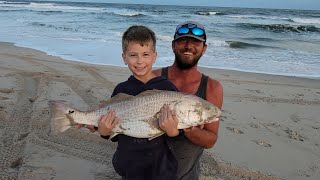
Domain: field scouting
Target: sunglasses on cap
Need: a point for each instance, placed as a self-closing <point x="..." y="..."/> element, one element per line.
<point x="190" y="28"/>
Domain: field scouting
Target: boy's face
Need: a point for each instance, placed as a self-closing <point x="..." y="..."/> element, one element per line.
<point x="140" y="58"/>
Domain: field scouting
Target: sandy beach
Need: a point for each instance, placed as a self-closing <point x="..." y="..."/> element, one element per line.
<point x="270" y="126"/>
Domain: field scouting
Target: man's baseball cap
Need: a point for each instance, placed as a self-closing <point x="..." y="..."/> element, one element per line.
<point x="190" y="29"/>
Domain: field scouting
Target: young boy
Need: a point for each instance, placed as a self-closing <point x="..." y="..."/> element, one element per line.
<point x="138" y="158"/>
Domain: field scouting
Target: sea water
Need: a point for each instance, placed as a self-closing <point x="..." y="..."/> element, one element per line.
<point x="272" y="41"/>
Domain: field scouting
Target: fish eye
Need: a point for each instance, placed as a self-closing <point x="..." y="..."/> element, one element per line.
<point x="70" y="112"/>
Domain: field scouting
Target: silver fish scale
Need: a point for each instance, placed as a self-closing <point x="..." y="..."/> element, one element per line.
<point x="136" y="115"/>
<point x="141" y="108"/>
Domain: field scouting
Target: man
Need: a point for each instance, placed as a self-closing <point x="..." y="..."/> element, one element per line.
<point x="189" y="45"/>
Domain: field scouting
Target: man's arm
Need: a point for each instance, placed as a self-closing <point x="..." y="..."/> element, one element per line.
<point x="207" y="135"/>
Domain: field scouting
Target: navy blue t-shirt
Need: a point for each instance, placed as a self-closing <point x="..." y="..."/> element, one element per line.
<point x="134" y="86"/>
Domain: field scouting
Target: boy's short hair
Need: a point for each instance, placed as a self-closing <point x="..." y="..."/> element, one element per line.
<point x="139" y="34"/>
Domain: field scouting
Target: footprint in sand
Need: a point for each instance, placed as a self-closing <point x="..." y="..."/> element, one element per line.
<point x="226" y="115"/>
<point x="3" y="98"/>
<point x="294" y="135"/>
<point x="6" y="90"/>
<point x="253" y="125"/>
<point x="262" y="143"/>
<point x="273" y="124"/>
<point x="295" y="118"/>
<point x="299" y="95"/>
<point x="254" y="91"/>
<point x="237" y="131"/>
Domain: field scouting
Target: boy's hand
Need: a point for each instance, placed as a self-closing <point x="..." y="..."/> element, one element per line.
<point x="107" y="122"/>
<point x="168" y="121"/>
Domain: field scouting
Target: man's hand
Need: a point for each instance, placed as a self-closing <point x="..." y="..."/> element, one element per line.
<point x="107" y="122"/>
<point x="168" y="121"/>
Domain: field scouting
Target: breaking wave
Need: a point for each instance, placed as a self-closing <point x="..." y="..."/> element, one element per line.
<point x="208" y="13"/>
<point x="281" y="27"/>
<point x="239" y="44"/>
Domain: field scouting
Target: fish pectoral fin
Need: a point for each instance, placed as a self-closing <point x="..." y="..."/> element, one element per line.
<point x="158" y="135"/>
<point x="112" y="135"/>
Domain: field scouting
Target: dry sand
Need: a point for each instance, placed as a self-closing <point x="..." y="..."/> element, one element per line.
<point x="270" y="128"/>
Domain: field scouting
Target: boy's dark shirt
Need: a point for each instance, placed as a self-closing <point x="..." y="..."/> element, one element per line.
<point x="156" y="154"/>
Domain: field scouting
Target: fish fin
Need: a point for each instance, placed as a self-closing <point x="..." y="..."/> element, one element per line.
<point x="113" y="134"/>
<point x="158" y="135"/>
<point x="59" y="121"/>
<point x="117" y="98"/>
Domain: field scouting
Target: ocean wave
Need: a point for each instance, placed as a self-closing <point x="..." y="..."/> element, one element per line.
<point x="208" y="13"/>
<point x="261" y="39"/>
<point x="64" y="28"/>
<point x="123" y="12"/>
<point x="34" y="6"/>
<point x="129" y="14"/>
<point x="306" y="20"/>
<point x="10" y="2"/>
<point x="281" y="27"/>
<point x="263" y="17"/>
<point x="239" y="44"/>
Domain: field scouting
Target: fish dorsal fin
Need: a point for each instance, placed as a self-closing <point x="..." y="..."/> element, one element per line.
<point x="117" y="98"/>
<point x="150" y="92"/>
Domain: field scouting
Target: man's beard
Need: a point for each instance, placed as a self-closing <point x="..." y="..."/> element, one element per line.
<point x="185" y="65"/>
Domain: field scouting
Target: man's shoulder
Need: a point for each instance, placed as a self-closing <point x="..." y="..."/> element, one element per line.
<point x="215" y="92"/>
<point x="213" y="83"/>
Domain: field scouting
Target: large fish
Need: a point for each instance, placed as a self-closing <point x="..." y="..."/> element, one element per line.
<point x="138" y="114"/>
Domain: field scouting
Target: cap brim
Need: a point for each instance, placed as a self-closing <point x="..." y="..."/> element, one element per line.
<point x="190" y="35"/>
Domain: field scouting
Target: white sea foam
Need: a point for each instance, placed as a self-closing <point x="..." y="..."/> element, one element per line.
<point x="259" y="17"/>
<point x="307" y="20"/>
<point x="47" y="7"/>
<point x="208" y="13"/>
<point x="217" y="43"/>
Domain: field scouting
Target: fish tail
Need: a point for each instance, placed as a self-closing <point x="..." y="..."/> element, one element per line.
<point x="60" y="121"/>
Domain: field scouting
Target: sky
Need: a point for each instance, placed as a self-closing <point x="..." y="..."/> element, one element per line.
<point x="277" y="4"/>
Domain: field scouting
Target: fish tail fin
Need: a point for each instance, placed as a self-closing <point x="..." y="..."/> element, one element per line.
<point x="60" y="121"/>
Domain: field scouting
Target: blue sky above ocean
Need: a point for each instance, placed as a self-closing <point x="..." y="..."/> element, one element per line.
<point x="274" y="41"/>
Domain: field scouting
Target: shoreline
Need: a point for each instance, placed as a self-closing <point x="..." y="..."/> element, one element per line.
<point x="317" y="77"/>
<point x="269" y="128"/>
